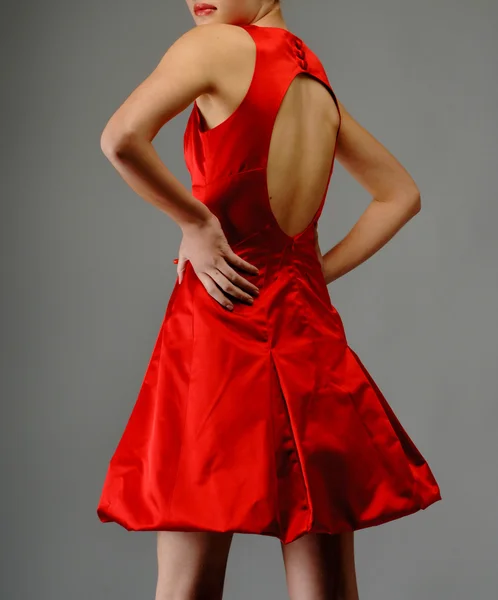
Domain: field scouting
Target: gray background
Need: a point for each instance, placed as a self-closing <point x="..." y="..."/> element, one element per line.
<point x="87" y="273"/>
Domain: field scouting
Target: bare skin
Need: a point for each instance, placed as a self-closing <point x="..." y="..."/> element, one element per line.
<point x="321" y="567"/>
<point x="198" y="67"/>
<point x="191" y="565"/>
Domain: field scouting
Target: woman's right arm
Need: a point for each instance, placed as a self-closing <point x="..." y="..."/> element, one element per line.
<point x="191" y="67"/>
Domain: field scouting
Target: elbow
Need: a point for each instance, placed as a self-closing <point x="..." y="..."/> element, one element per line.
<point x="415" y="202"/>
<point x="108" y="142"/>
<point x="406" y="199"/>
<point x="411" y="199"/>
<point x="116" y="144"/>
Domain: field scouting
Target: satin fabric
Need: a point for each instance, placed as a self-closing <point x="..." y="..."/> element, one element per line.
<point x="262" y="420"/>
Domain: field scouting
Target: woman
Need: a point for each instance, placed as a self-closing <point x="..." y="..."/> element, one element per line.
<point x="254" y="415"/>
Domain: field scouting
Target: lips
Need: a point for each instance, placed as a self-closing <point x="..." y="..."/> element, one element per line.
<point x="201" y="8"/>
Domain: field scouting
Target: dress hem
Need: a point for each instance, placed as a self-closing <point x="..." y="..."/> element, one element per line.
<point x="385" y="518"/>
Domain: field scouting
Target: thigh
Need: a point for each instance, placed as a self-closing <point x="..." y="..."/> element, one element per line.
<point x="191" y="565"/>
<point x="321" y="566"/>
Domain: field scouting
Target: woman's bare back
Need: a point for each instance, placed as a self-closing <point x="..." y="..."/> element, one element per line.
<point x="303" y="137"/>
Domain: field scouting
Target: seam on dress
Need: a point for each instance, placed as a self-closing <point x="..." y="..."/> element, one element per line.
<point x="297" y="445"/>
<point x="277" y="500"/>
<point x="185" y="412"/>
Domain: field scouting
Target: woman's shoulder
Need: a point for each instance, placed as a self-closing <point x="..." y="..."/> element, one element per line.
<point x="213" y="44"/>
<point x="212" y="35"/>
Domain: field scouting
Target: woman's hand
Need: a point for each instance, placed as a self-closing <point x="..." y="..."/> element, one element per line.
<point x="207" y="249"/>
<point x="318" y="251"/>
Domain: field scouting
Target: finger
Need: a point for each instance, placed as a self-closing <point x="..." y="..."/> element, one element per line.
<point x="181" y="269"/>
<point x="236" y="260"/>
<point x="214" y="291"/>
<point x="229" y="288"/>
<point x="175" y="261"/>
<point x="237" y="279"/>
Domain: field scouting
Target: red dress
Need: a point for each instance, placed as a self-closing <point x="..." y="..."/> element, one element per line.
<point x="261" y="420"/>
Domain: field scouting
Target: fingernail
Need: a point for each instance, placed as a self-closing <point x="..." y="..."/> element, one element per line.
<point x="175" y="260"/>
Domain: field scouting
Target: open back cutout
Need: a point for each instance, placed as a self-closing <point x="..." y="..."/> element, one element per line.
<point x="301" y="153"/>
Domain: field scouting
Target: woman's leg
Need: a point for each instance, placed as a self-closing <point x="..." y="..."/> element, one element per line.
<point x="191" y="565"/>
<point x="321" y="566"/>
